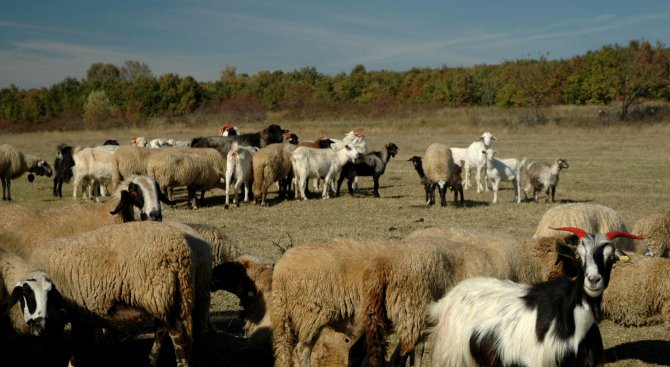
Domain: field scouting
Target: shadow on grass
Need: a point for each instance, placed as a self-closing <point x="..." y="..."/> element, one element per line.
<point x="656" y="352"/>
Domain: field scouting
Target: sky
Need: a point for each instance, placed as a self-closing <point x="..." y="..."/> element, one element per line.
<point x="42" y="42"/>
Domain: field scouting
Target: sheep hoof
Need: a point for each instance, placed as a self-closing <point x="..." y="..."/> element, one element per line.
<point x="225" y="206"/>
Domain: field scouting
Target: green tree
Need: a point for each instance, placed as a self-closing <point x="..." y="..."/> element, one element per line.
<point x="133" y="70"/>
<point x="98" y="107"/>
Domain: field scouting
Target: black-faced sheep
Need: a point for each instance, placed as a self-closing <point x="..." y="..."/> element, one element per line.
<point x="14" y="163"/>
<point x="369" y="164"/>
<point x="63" y="168"/>
<point x="655" y="229"/>
<point x="438" y="165"/>
<point x="543" y="177"/>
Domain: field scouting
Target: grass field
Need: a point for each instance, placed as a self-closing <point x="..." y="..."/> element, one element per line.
<point x="626" y="168"/>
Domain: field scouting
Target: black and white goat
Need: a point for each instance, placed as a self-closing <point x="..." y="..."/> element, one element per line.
<point x="369" y="164"/>
<point x="491" y="322"/>
<point x="63" y="168"/>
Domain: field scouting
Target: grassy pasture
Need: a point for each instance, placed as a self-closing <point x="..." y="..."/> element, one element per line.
<point x="626" y="168"/>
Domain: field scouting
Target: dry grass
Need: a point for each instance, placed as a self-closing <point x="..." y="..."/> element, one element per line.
<point x="625" y="168"/>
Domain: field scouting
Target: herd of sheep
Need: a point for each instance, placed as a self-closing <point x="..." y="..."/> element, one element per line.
<point x="120" y="264"/>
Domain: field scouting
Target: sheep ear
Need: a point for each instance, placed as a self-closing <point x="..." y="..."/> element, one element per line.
<point x="125" y="204"/>
<point x="15" y="298"/>
<point x="162" y="197"/>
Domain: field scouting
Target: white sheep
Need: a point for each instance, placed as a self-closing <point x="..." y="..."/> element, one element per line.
<point x="92" y="168"/>
<point x="543" y="177"/>
<point x="40" y="304"/>
<point x="239" y="165"/>
<point x="438" y="165"/>
<point x="508" y="169"/>
<point x="14" y="163"/>
<point x="475" y="158"/>
<point x="487" y="321"/>
<point x="593" y="218"/>
<point x="655" y="228"/>
<point x="272" y="163"/>
<point x="320" y="163"/>
<point x="125" y="275"/>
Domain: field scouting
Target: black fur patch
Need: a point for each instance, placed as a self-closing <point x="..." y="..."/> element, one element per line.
<point x="485" y="352"/>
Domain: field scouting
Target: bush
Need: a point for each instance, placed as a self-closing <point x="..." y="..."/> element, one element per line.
<point x="98" y="107"/>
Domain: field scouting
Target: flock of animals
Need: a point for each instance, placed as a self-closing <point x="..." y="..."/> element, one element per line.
<point x="487" y="299"/>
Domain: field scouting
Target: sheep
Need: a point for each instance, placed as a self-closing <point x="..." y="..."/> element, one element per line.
<point x="508" y="169"/>
<point x="455" y="182"/>
<point x="639" y="292"/>
<point x="41" y="305"/>
<point x="229" y="130"/>
<point x="24" y="225"/>
<point x="474" y="158"/>
<point x="487" y="321"/>
<point x="320" y="163"/>
<point x="160" y="143"/>
<point x="655" y="229"/>
<point x="271" y="164"/>
<point x="370" y="164"/>
<point x="590" y="217"/>
<point x="269" y="135"/>
<point x="92" y="167"/>
<point x="322" y="142"/>
<point x="63" y="168"/>
<point x="544" y="178"/>
<point x="111" y="142"/>
<point x="239" y="164"/>
<point x="14" y="163"/>
<point x="125" y="275"/>
<point x="197" y="169"/>
<point x="138" y="141"/>
<point x="438" y="164"/>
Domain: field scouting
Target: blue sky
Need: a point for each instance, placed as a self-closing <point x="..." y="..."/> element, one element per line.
<point x="44" y="41"/>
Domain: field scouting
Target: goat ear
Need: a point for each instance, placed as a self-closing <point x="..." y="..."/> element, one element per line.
<point x="17" y="293"/>
<point x="565" y="255"/>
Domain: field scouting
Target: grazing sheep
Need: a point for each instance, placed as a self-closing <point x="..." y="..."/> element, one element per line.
<point x="320" y="163"/>
<point x="508" y="169"/>
<point x="40" y="304"/>
<point x="271" y="164"/>
<point x="239" y="164"/>
<point x="92" y="167"/>
<point x="438" y="164"/>
<point x="369" y="164"/>
<point x="544" y="178"/>
<point x="655" y="229"/>
<point x="126" y="274"/>
<point x="128" y="161"/>
<point x="474" y="158"/>
<point x="593" y="218"/>
<point x="486" y="321"/>
<point x="14" y="163"/>
<point x="63" y="168"/>
<point x="197" y="169"/>
<point x="639" y="292"/>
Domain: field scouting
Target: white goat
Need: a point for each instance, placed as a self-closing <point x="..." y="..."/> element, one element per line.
<point x="320" y="163"/>
<point x="239" y="165"/>
<point x="356" y="138"/>
<point x="507" y="169"/>
<point x="476" y="159"/>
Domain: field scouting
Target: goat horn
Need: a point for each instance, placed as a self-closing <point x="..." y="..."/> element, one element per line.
<point x="580" y="233"/>
<point x="615" y="234"/>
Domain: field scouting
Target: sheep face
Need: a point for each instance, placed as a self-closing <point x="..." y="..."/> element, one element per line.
<point x="562" y="163"/>
<point x="392" y="149"/>
<point x="34" y="295"/>
<point x="42" y="169"/>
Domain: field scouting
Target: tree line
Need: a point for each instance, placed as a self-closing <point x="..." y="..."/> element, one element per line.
<point x="613" y="74"/>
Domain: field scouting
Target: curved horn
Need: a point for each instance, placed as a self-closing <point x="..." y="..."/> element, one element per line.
<point x="580" y="233"/>
<point x="615" y="234"/>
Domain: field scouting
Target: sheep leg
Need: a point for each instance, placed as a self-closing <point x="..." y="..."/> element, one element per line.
<point x="466" y="168"/>
<point x="553" y="192"/>
<point x="350" y="182"/>
<point x="302" y="182"/>
<point x="3" y="188"/>
<point x="159" y="335"/>
<point x="238" y="187"/>
<point x="339" y="184"/>
<point x="326" y="186"/>
<point x="304" y="351"/>
<point x="181" y="349"/>
<point x="192" y="195"/>
<point x="375" y="189"/>
<point x="443" y="193"/>
<point x="494" y="186"/>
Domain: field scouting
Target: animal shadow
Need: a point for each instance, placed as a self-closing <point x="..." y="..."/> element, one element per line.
<point x="656" y="352"/>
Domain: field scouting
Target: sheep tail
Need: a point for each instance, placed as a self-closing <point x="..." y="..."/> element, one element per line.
<point x="375" y="320"/>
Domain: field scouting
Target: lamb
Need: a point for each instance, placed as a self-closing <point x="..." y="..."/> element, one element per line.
<point x="655" y="228"/>
<point x="474" y="158"/>
<point x="239" y="164"/>
<point x="544" y="178"/>
<point x="320" y="163"/>
<point x="593" y="218"/>
<point x="508" y="169"/>
<point x="271" y="164"/>
<point x="41" y="305"/>
<point x="438" y="165"/>
<point x="197" y="169"/>
<point x="370" y="164"/>
<point x="486" y="321"/>
<point x="92" y="167"/>
<point x="14" y="163"/>
<point x="63" y="168"/>
<point x="126" y="274"/>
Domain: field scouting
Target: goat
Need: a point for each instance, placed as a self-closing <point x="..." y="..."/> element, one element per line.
<point x="491" y="322"/>
<point x="320" y="163"/>
<point x="370" y="164"/>
<point x="508" y="169"/>
<point x="475" y="159"/>
<point x="543" y="177"/>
